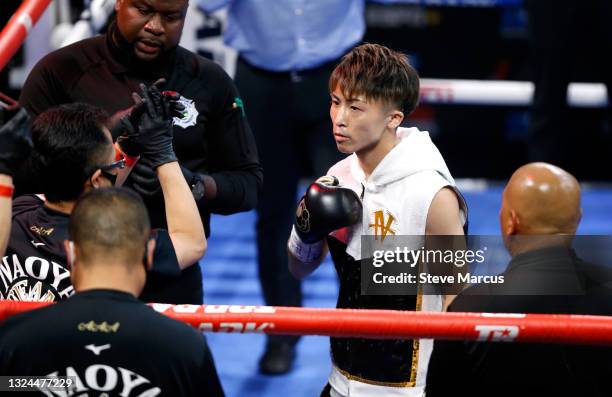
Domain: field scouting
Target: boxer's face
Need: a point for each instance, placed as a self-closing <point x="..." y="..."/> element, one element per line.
<point x="359" y="124"/>
<point x="151" y="26"/>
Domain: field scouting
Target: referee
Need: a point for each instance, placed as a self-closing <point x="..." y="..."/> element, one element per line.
<point x="212" y="140"/>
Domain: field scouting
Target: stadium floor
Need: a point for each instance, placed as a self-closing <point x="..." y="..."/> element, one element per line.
<point x="230" y="277"/>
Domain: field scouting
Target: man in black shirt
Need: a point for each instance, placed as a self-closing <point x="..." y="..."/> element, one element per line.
<point x="212" y="140"/>
<point x="539" y="216"/>
<point x="74" y="154"/>
<point x="107" y="341"/>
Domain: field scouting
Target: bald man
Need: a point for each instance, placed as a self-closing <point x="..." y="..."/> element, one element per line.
<point x="539" y="215"/>
<point x="539" y="200"/>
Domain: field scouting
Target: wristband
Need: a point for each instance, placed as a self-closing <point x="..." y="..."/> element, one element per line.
<point x="6" y="190"/>
<point x="306" y="253"/>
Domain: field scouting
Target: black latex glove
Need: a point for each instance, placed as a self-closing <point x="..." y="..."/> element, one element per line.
<point x="176" y="108"/>
<point x="155" y="125"/>
<point x="125" y="122"/>
<point x="127" y="136"/>
<point x="15" y="142"/>
<point x="152" y="136"/>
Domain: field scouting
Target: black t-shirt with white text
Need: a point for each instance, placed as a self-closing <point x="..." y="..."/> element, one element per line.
<point x="35" y="266"/>
<point x="109" y="344"/>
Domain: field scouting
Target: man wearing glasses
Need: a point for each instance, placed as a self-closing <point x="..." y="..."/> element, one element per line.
<point x="73" y="154"/>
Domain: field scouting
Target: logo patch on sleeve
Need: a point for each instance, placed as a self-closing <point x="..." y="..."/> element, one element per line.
<point x="238" y="104"/>
<point x="190" y="114"/>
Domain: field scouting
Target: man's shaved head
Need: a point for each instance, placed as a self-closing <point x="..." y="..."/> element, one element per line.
<point x="110" y="225"/>
<point x="540" y="199"/>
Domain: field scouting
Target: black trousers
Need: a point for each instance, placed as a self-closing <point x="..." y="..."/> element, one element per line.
<point x="289" y="116"/>
<point x="556" y="34"/>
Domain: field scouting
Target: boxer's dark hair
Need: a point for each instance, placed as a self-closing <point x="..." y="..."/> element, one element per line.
<point x="68" y="143"/>
<point x="110" y="223"/>
<point x="380" y="74"/>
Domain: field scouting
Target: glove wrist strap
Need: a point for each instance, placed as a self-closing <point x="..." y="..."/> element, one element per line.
<point x="306" y="253"/>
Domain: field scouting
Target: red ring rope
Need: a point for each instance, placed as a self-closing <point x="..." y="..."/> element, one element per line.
<point x="381" y="324"/>
<point x="16" y="30"/>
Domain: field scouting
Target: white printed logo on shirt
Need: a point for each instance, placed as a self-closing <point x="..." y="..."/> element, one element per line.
<point x="190" y="114"/>
<point x="97" y="349"/>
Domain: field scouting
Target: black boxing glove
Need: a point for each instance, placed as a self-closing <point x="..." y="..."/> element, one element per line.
<point x="15" y="142"/>
<point x="325" y="207"/>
